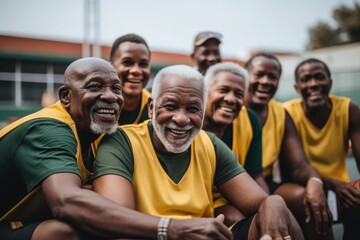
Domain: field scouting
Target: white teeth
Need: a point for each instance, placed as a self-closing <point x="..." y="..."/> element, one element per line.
<point x="178" y="131"/>
<point x="135" y="80"/>
<point x="227" y="109"/>
<point x="105" y="111"/>
<point x="312" y="93"/>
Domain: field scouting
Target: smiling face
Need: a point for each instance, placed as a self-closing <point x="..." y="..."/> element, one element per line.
<point x="313" y="84"/>
<point x="92" y="95"/>
<point x="132" y="63"/>
<point x="264" y="76"/>
<point x="177" y="113"/>
<point x="225" y="98"/>
<point x="206" y="55"/>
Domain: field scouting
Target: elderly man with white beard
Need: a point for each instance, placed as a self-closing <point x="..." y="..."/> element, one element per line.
<point x="167" y="166"/>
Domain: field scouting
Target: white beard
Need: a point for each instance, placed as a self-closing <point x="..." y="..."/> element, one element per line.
<point x="171" y="147"/>
<point x="98" y="129"/>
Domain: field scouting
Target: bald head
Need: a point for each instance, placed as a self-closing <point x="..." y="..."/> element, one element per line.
<point x="92" y="95"/>
<point x="80" y="68"/>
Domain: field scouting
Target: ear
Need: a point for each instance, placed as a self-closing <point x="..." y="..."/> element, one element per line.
<point x="64" y="96"/>
<point x="296" y="87"/>
<point x="330" y="84"/>
<point x="150" y="105"/>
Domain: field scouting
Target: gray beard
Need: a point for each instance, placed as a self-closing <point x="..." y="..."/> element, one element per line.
<point x="97" y="129"/>
<point x="160" y="133"/>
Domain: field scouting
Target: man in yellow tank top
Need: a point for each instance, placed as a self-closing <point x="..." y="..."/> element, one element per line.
<point x="167" y="166"/>
<point x="325" y="124"/>
<point x="238" y="127"/>
<point x="46" y="160"/>
<point x="130" y="56"/>
<point x="281" y="145"/>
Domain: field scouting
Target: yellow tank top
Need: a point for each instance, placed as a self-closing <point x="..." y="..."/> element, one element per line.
<point x="145" y="95"/>
<point x="325" y="148"/>
<point x="156" y="193"/>
<point x="272" y="135"/>
<point x="242" y="135"/>
<point x="33" y="205"/>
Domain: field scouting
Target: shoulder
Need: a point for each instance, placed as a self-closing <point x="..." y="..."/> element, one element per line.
<point x="45" y="127"/>
<point x="291" y="103"/>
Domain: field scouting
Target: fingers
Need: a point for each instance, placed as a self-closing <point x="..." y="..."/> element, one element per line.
<point x="220" y="218"/>
<point x="266" y="237"/>
<point x="307" y="213"/>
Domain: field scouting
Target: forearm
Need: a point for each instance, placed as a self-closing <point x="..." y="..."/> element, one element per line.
<point x="259" y="179"/>
<point x="96" y="215"/>
<point x="303" y="173"/>
<point x="330" y="183"/>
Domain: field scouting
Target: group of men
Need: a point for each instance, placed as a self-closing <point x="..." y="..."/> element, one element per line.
<point x="177" y="175"/>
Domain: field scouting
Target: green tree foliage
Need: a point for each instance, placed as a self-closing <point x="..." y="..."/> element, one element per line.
<point x="346" y="29"/>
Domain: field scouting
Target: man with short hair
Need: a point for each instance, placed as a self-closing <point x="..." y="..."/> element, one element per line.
<point x="206" y="51"/>
<point x="130" y="56"/>
<point x="46" y="161"/>
<point x="238" y="127"/>
<point x="325" y="124"/>
<point x="167" y="166"/>
<point x="302" y="190"/>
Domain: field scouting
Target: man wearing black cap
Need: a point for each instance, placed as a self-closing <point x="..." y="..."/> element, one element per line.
<point x="206" y="50"/>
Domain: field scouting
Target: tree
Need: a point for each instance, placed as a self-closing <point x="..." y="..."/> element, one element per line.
<point x="346" y="29"/>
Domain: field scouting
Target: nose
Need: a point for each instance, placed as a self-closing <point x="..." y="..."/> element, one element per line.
<point x="135" y="69"/>
<point x="181" y="118"/>
<point x="230" y="98"/>
<point x="212" y="58"/>
<point x="264" y="80"/>
<point x="313" y="82"/>
<point x="108" y="95"/>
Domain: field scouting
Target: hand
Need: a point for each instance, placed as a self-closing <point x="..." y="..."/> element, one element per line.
<point x="275" y="220"/>
<point x="348" y="195"/>
<point x="316" y="205"/>
<point x="201" y="228"/>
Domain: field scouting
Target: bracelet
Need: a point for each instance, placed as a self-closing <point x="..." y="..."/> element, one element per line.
<point x="317" y="180"/>
<point x="163" y="228"/>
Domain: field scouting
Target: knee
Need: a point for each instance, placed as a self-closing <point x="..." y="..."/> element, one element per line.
<point x="57" y="229"/>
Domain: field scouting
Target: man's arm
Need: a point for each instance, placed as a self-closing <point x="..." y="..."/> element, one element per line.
<point x="354" y="132"/>
<point x="243" y="192"/>
<point x="293" y="156"/>
<point x="90" y="212"/>
<point x="347" y="193"/>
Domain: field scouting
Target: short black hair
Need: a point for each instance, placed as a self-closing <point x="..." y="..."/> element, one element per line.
<point x="248" y="63"/>
<point x="312" y="60"/>
<point x="131" y="37"/>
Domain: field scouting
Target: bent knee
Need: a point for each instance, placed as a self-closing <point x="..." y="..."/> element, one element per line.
<point x="56" y="229"/>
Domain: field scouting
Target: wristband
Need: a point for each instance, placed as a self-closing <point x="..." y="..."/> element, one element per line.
<point x="317" y="180"/>
<point x="163" y="228"/>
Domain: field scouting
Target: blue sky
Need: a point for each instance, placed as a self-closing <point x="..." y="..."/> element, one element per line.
<point x="171" y="25"/>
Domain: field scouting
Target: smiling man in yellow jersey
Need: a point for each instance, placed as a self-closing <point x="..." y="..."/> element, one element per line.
<point x="302" y="190"/>
<point x="167" y="166"/>
<point x="130" y="56"/>
<point x="238" y="127"/>
<point x="325" y="124"/>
